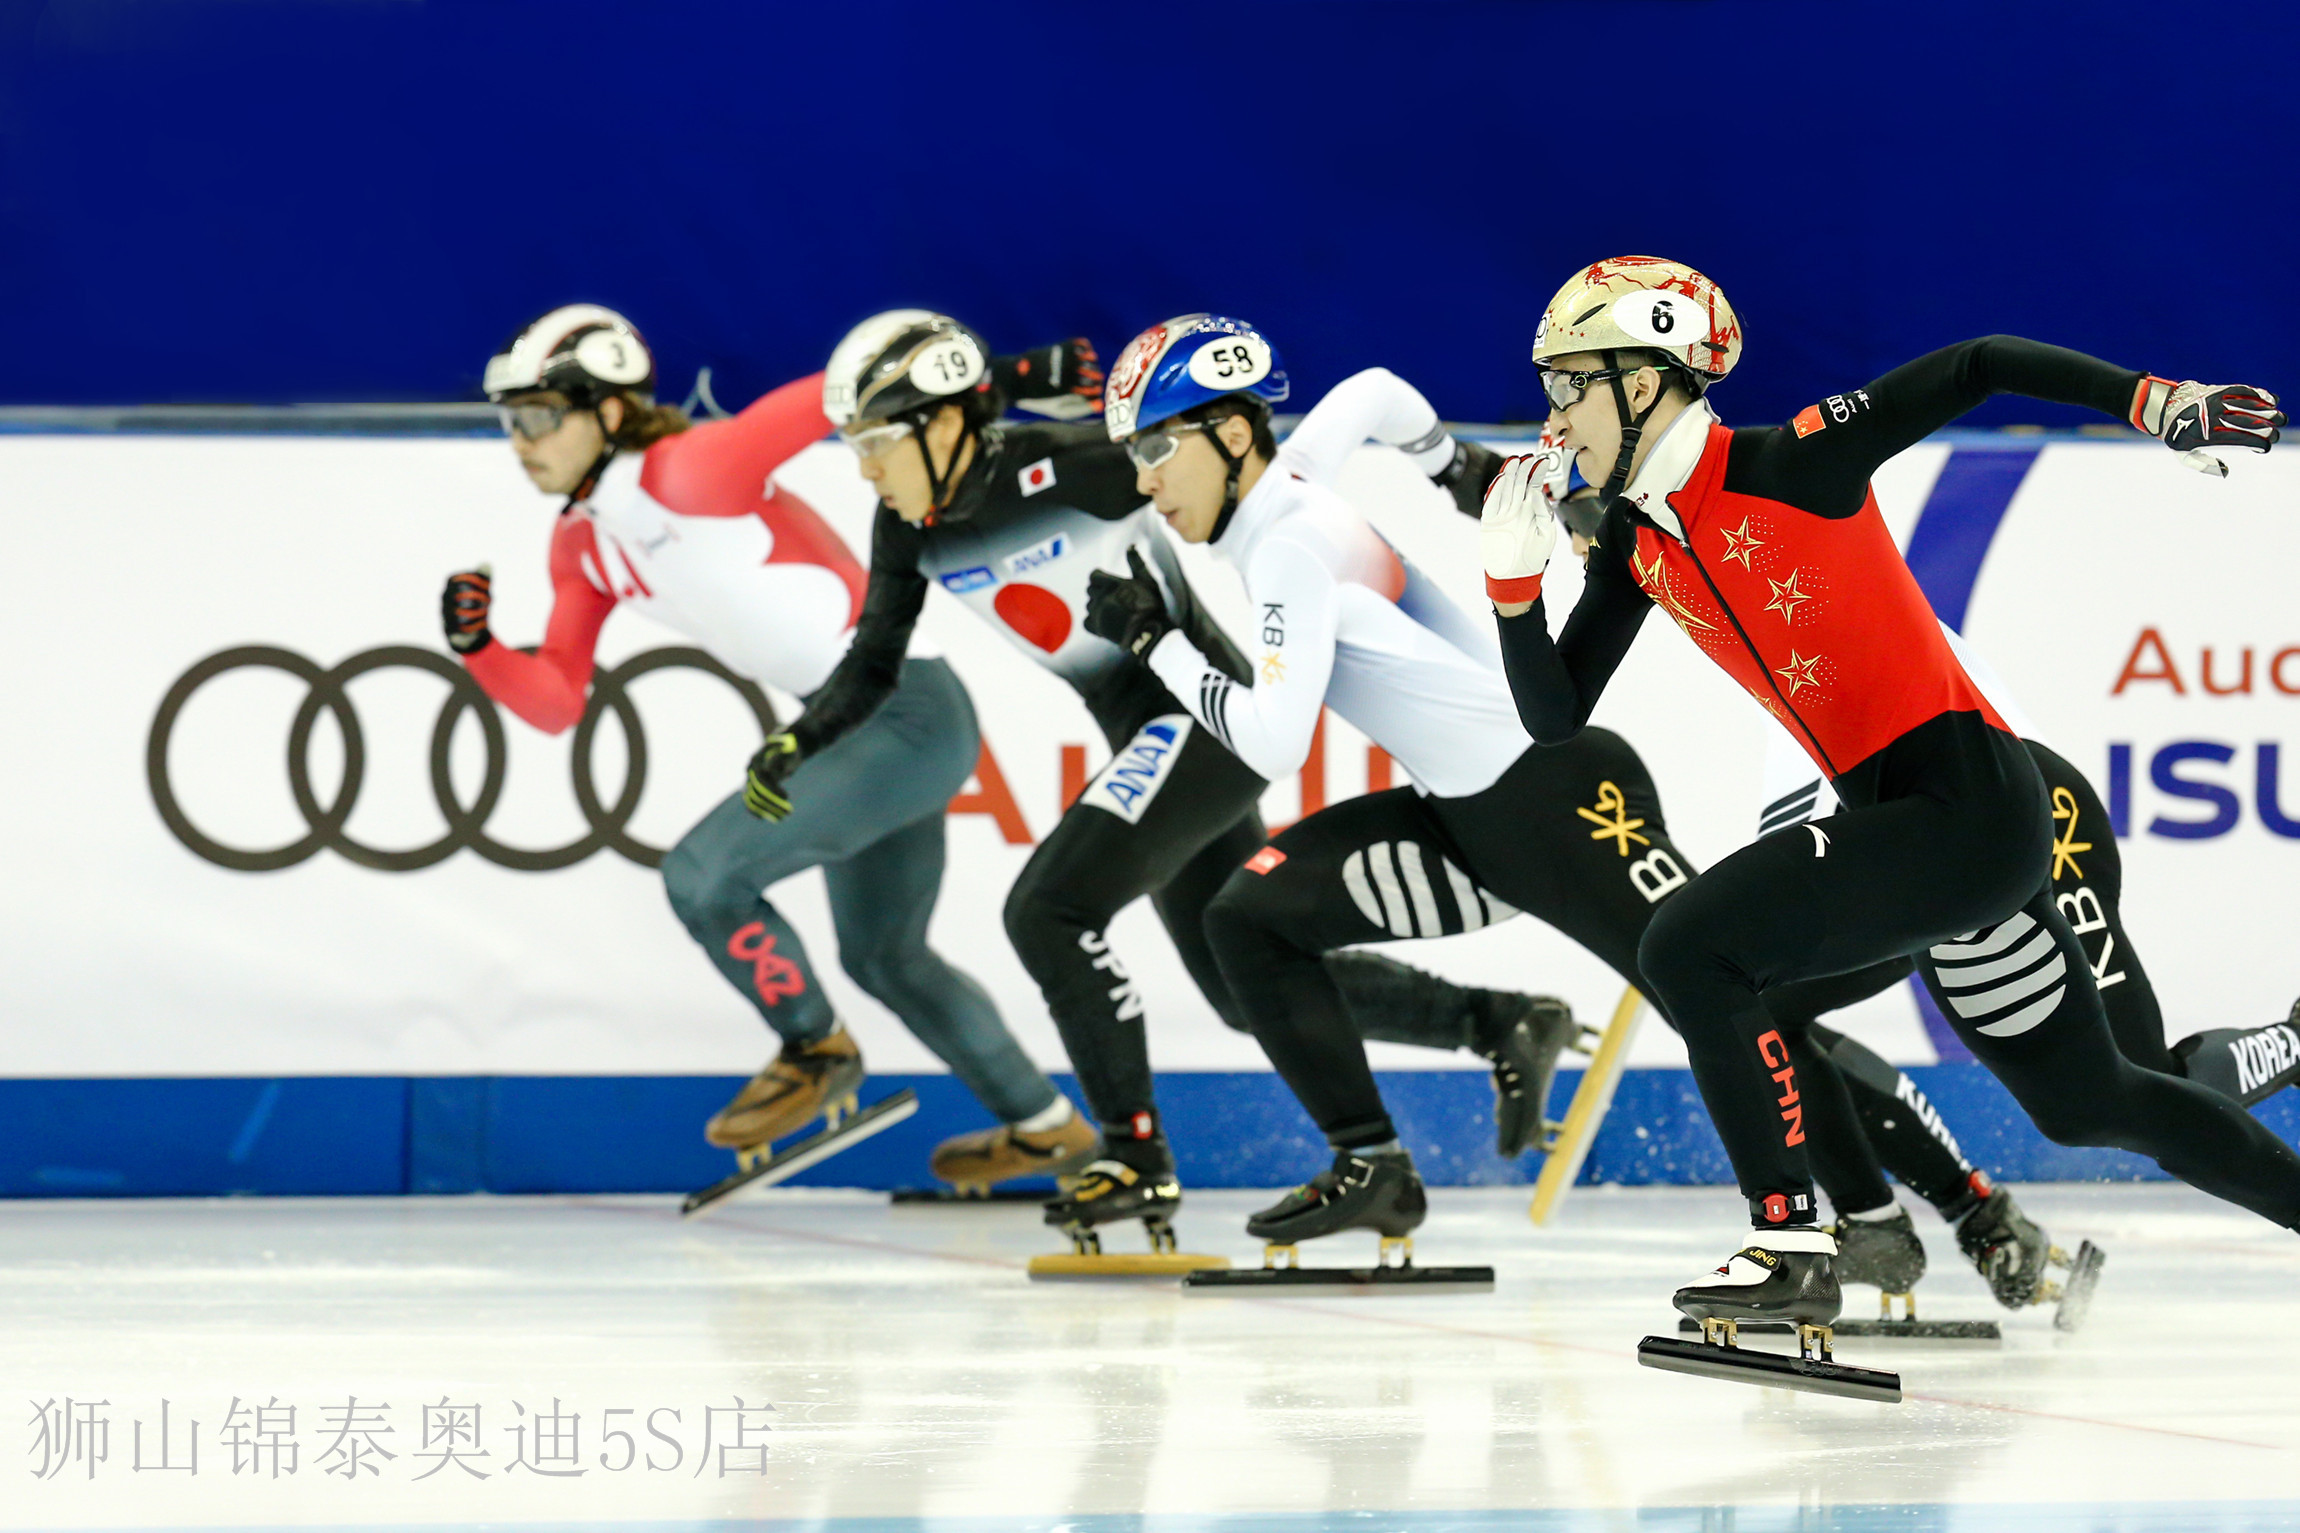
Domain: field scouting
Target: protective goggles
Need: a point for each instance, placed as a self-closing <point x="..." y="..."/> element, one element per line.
<point x="1565" y="390"/>
<point x="534" y="420"/>
<point x="870" y="441"/>
<point x="1149" y="449"/>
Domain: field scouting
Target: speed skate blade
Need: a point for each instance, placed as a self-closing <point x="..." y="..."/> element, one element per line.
<point x="1747" y="1365"/>
<point x="2076" y="1290"/>
<point x="1897" y="1330"/>
<point x="1125" y="1264"/>
<point x="1587" y="1112"/>
<point x="1341" y="1282"/>
<point x="811" y="1151"/>
<point x="946" y="1195"/>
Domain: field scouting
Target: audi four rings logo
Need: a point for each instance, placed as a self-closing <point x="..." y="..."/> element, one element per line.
<point x="466" y="824"/>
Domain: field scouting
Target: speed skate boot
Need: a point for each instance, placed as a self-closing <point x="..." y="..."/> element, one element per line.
<point x="2014" y="1257"/>
<point x="974" y="1163"/>
<point x="1362" y="1190"/>
<point x="1133" y="1178"/>
<point x="1781" y="1277"/>
<point x="1885" y="1253"/>
<point x="1521" y="1037"/>
<point x="803" y="1081"/>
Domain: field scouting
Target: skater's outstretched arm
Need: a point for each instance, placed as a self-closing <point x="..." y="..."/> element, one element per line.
<point x="1372" y="406"/>
<point x="872" y="665"/>
<point x="1822" y="461"/>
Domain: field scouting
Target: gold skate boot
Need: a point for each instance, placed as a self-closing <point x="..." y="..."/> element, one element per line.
<point x="972" y="1163"/>
<point x="800" y="1083"/>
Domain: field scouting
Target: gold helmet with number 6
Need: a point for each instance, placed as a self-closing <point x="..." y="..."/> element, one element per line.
<point x="1642" y="303"/>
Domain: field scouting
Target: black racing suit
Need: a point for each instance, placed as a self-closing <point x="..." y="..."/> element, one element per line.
<point x="1174" y="812"/>
<point x="1767" y="548"/>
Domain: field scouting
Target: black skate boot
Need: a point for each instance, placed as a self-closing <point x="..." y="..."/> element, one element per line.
<point x="1883" y="1252"/>
<point x="1359" y="1191"/>
<point x="1781" y="1277"/>
<point x="2013" y="1255"/>
<point x="1521" y="1036"/>
<point x="1133" y="1179"/>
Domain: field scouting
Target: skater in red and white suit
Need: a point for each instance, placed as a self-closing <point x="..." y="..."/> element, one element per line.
<point x="687" y="525"/>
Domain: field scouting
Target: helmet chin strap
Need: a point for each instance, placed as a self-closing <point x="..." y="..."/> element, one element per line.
<point x="1631" y="431"/>
<point x="590" y="480"/>
<point x="943" y="484"/>
<point x="1236" y="463"/>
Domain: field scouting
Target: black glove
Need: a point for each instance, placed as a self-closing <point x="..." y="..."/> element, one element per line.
<point x="1128" y="610"/>
<point x="1063" y="381"/>
<point x="2191" y="416"/>
<point x="763" y="793"/>
<point x="1473" y="469"/>
<point x="463" y="610"/>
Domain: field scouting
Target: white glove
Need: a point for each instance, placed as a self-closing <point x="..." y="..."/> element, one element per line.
<point x="1517" y="530"/>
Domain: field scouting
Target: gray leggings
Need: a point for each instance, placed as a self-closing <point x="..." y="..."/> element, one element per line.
<point x="868" y="811"/>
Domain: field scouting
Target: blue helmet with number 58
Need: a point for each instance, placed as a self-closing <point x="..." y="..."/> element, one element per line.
<point x="1182" y="364"/>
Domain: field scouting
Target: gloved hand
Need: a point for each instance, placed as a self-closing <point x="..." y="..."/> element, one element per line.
<point x="763" y="793"/>
<point x="1517" y="529"/>
<point x="1128" y="610"/>
<point x="463" y="610"/>
<point x="1471" y="473"/>
<point x="2189" y="417"/>
<point x="1062" y="381"/>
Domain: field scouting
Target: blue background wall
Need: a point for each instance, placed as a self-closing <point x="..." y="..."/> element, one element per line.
<point x="275" y="200"/>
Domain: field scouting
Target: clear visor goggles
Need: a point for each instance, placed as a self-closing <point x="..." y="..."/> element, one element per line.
<point x="533" y="420"/>
<point x="1565" y="390"/>
<point x="1157" y="446"/>
<point x="869" y="441"/>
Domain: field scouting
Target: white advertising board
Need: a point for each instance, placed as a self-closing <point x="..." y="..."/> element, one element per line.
<point x="124" y="952"/>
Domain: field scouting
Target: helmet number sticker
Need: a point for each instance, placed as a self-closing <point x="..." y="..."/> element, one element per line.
<point x="610" y="357"/>
<point x="1661" y="318"/>
<point x="1230" y="363"/>
<point x="948" y="366"/>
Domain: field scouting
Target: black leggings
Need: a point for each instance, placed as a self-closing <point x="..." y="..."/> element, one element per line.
<point x="1572" y="835"/>
<point x="1947" y="865"/>
<point x="1202" y="822"/>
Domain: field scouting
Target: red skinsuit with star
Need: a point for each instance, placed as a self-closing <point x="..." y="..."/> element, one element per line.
<point x="1766" y="546"/>
<point x="1800" y="610"/>
<point x="695" y="533"/>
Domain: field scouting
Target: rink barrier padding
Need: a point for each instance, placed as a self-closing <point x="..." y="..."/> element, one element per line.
<point x="372" y="1135"/>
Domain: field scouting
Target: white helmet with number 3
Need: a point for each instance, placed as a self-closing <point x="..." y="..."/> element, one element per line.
<point x="580" y="350"/>
<point x="1642" y="303"/>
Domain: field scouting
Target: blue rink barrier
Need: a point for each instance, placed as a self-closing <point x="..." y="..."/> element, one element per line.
<point x="335" y="1135"/>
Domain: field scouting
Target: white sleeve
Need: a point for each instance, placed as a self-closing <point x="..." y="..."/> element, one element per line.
<point x="1795" y="791"/>
<point x="1290" y="650"/>
<point x="1373" y="406"/>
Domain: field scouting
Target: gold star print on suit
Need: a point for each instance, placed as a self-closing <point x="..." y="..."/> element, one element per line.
<point x="1799" y="672"/>
<point x="2065" y="846"/>
<point x="1786" y="596"/>
<point x="1611" y="817"/>
<point x="1739" y="544"/>
<point x="1655" y="579"/>
<point x="1273" y="667"/>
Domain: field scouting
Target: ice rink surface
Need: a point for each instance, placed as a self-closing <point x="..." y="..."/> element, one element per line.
<point x="826" y="1361"/>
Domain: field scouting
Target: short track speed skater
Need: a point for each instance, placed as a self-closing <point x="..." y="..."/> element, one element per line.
<point x="1783" y="1278"/>
<point x="762" y="1168"/>
<point x="1378" y="1192"/>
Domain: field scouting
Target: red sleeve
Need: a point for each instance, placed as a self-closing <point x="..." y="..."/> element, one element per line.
<point x="721" y="468"/>
<point x="549" y="687"/>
